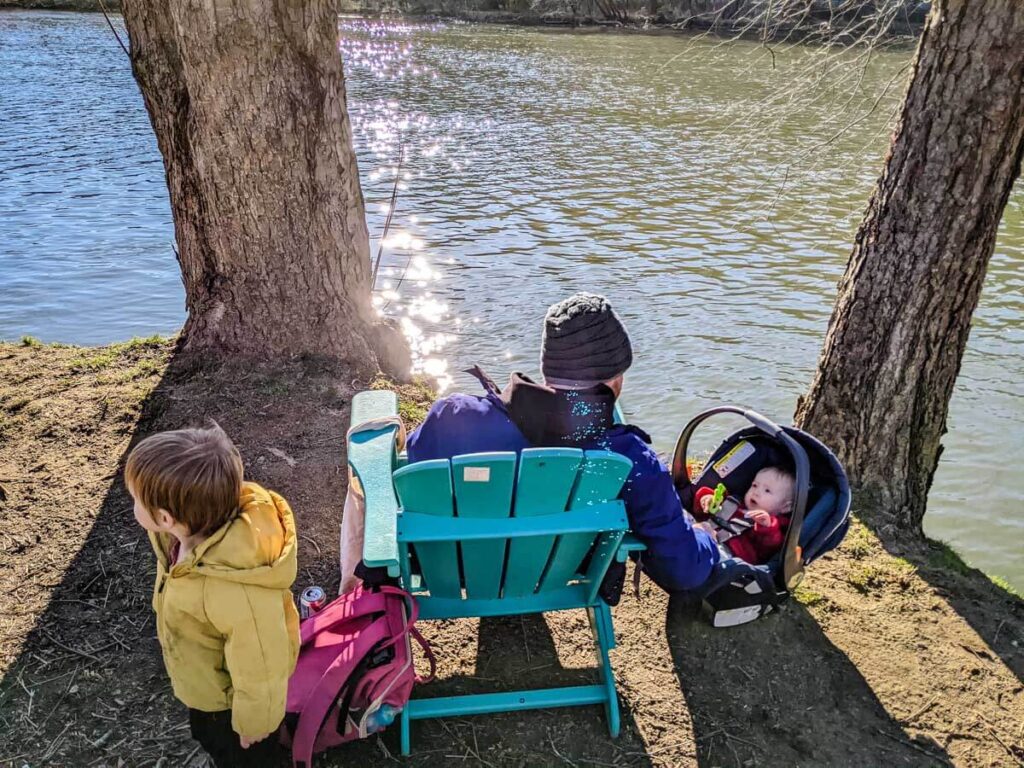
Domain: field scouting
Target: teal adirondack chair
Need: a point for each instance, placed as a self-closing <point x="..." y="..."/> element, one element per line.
<point x="521" y="529"/>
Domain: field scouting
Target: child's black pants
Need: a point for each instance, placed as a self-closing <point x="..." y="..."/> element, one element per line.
<point x="214" y="733"/>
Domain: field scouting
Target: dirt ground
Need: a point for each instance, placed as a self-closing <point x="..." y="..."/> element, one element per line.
<point x="887" y="657"/>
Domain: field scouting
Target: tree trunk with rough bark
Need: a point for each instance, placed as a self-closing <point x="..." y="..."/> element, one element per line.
<point x="247" y="100"/>
<point x="881" y="392"/>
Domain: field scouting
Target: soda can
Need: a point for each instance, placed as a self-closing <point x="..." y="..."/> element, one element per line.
<point x="311" y="601"/>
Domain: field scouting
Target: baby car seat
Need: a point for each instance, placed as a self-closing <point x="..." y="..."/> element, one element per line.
<point x="737" y="591"/>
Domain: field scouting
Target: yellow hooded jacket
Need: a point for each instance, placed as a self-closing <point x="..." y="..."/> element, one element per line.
<point x="225" y="615"/>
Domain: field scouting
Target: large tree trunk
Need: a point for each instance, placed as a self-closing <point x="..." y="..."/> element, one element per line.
<point x="247" y="100"/>
<point x="900" y="324"/>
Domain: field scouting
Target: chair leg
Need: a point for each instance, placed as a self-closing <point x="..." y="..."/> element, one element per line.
<point x="604" y="639"/>
<point x="405" y="731"/>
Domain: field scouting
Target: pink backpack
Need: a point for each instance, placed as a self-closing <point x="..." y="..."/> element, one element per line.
<point x="355" y="670"/>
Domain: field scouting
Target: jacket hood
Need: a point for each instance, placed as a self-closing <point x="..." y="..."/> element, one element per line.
<point x="550" y="417"/>
<point x="257" y="547"/>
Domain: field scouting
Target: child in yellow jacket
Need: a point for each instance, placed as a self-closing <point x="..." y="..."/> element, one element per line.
<point x="226" y="560"/>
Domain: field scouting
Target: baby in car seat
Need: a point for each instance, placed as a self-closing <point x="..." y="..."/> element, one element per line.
<point x="756" y="531"/>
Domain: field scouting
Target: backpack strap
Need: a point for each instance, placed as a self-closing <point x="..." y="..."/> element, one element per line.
<point x="413" y="611"/>
<point x="323" y="696"/>
<point x="339" y="611"/>
<point x="427" y="652"/>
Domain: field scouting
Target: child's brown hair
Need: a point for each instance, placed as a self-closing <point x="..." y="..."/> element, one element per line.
<point x="193" y="474"/>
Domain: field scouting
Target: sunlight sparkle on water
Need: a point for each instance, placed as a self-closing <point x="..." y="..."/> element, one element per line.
<point x="410" y="147"/>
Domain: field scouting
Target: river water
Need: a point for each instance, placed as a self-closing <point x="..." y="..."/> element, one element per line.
<point x="711" y="197"/>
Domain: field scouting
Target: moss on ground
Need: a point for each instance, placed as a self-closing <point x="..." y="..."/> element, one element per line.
<point x="414" y="398"/>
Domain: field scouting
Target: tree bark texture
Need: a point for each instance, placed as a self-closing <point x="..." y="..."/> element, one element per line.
<point x="881" y="392"/>
<point x="247" y="100"/>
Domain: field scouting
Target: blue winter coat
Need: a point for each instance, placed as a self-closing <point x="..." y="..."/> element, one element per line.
<point x="679" y="557"/>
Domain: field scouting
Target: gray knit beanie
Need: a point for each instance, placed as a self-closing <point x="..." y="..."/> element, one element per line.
<point x="584" y="343"/>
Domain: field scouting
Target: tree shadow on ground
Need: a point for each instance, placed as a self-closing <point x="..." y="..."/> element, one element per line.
<point x="995" y="613"/>
<point x="86" y="684"/>
<point x="777" y="692"/>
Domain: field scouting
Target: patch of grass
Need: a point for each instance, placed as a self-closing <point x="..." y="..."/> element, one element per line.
<point x="275" y="387"/>
<point x="148" y="342"/>
<point x="903" y="573"/>
<point x="859" y="542"/>
<point x="144" y="369"/>
<point x="31" y="341"/>
<point x="806" y="596"/>
<point x="102" y="358"/>
<point x="998" y="581"/>
<point x="414" y="398"/>
<point x="944" y="557"/>
<point x="867" y="578"/>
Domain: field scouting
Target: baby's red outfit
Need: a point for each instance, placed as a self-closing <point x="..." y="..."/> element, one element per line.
<point x="758" y="544"/>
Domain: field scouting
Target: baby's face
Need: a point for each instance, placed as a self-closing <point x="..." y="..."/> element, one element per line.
<point x="771" y="491"/>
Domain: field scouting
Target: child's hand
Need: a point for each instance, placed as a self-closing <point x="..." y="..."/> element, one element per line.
<point x="248" y="741"/>
<point x="759" y="516"/>
<point x="705" y="503"/>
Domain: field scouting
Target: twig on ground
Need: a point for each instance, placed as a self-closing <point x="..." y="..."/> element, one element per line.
<point x="190" y="755"/>
<point x="908" y="743"/>
<point x="1004" y="745"/>
<point x="998" y="629"/>
<point x="558" y="754"/>
<point x="54" y="744"/>
<point x="384" y="749"/>
<point x="75" y="651"/>
<point x="60" y="701"/>
<point x="313" y="542"/>
<point x="31" y="696"/>
<point x="921" y="711"/>
<point x="750" y="744"/>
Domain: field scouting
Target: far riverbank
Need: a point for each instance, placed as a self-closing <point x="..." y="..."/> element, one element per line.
<point x="721" y="17"/>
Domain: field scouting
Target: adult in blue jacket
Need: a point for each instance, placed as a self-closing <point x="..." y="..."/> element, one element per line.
<point x="585" y="351"/>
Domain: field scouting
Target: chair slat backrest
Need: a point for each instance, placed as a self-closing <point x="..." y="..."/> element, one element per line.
<point x="483" y="484"/>
<point x="549" y="482"/>
<point x="545" y="481"/>
<point x="599" y="479"/>
<point x="426" y="488"/>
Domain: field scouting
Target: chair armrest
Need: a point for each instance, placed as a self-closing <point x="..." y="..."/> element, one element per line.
<point x="371" y="455"/>
<point x="629" y="543"/>
<point x="373" y="404"/>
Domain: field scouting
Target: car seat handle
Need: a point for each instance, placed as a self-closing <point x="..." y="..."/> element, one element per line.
<point x="763" y="423"/>
<point x="680" y="472"/>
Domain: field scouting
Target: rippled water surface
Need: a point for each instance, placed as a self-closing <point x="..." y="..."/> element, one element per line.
<point x="711" y="198"/>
